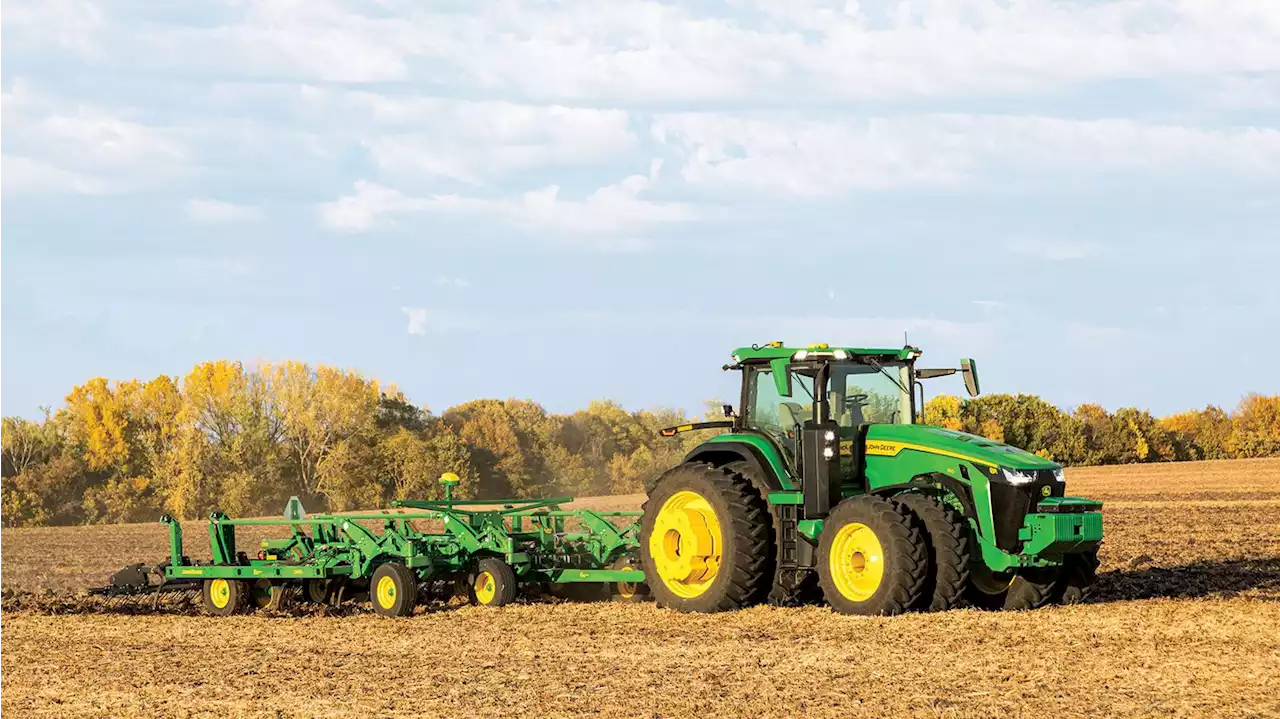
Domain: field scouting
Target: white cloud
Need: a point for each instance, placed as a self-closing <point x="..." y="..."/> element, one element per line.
<point x="611" y="209"/>
<point x="83" y="149"/>
<point x="217" y="212"/>
<point x="785" y="151"/>
<point x="475" y="141"/>
<point x="74" y="25"/>
<point x="648" y="52"/>
<point x="25" y="176"/>
<point x="417" y="320"/>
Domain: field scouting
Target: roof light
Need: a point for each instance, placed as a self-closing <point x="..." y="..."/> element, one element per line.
<point x="818" y="346"/>
<point x="801" y="355"/>
<point x="841" y="355"/>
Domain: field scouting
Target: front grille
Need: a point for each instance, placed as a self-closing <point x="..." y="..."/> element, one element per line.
<point x="1010" y="504"/>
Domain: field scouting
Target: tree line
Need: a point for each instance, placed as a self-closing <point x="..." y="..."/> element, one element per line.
<point x="243" y="439"/>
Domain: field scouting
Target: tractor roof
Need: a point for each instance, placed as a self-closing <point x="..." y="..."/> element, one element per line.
<point x="776" y="350"/>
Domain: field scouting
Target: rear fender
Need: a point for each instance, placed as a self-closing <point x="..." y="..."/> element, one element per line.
<point x="764" y="474"/>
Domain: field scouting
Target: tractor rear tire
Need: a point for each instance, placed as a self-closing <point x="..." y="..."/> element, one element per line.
<point x="224" y="597"/>
<point x="705" y="540"/>
<point x="947" y="534"/>
<point x="1075" y="583"/>
<point x="1025" y="589"/>
<point x="872" y="558"/>
<point x="493" y="583"/>
<point x="393" y="589"/>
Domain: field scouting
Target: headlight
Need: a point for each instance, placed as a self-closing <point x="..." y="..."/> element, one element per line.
<point x="1059" y="476"/>
<point x="828" y="453"/>
<point x="1013" y="476"/>
<point x="830" y="436"/>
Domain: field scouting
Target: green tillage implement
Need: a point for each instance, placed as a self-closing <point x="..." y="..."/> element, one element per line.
<point x="492" y="551"/>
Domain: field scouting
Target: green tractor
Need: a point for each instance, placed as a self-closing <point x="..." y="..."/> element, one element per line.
<point x="825" y="482"/>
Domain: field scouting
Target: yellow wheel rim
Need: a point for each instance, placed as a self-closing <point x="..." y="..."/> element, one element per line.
<point x="686" y="544"/>
<point x="856" y="562"/>
<point x="220" y="593"/>
<point x="486" y="588"/>
<point x="386" y="592"/>
<point x="627" y="590"/>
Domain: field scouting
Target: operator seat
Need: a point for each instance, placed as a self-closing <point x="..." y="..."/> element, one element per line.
<point x="790" y="414"/>
<point x="835" y="405"/>
<point x="856" y="418"/>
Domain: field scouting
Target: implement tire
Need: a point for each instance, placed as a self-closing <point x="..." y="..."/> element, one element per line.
<point x="493" y="583"/>
<point x="1075" y="583"/>
<point x="393" y="590"/>
<point x="224" y="597"/>
<point x="1010" y="591"/>
<point x="872" y="558"/>
<point x="705" y="540"/>
<point x="947" y="536"/>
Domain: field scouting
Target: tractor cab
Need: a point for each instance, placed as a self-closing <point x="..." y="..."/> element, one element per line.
<point x="842" y="389"/>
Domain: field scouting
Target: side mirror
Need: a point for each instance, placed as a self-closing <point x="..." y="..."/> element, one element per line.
<point x="726" y="410"/>
<point x="969" y="369"/>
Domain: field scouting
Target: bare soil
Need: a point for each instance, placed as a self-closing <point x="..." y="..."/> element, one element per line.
<point x="1186" y="623"/>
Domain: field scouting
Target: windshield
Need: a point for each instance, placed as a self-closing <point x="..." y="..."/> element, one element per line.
<point x="877" y="393"/>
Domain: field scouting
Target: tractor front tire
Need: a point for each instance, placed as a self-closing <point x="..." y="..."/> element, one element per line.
<point x="872" y="558"/>
<point x="1075" y="583"/>
<point x="947" y="534"/>
<point x="705" y="540"/>
<point x="1025" y="589"/>
<point x="393" y="589"/>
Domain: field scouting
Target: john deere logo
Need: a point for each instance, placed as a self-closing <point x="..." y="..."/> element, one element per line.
<point x="1046" y="490"/>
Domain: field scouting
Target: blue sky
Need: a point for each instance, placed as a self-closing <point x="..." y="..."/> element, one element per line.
<point x="569" y="201"/>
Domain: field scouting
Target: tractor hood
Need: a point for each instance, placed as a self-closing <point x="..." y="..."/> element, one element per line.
<point x="937" y="440"/>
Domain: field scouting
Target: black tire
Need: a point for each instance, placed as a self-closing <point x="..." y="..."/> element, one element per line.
<point x="745" y="552"/>
<point x="903" y="556"/>
<point x="1029" y="588"/>
<point x="224" y="597"/>
<point x="947" y="536"/>
<point x="629" y="591"/>
<point x="318" y="591"/>
<point x="393" y="590"/>
<point x="1075" y="583"/>
<point x="499" y="579"/>
<point x="263" y="591"/>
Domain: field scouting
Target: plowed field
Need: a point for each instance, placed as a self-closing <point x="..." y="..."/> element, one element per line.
<point x="1186" y="622"/>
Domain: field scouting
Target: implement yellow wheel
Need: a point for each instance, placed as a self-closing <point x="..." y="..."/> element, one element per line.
<point x="393" y="589"/>
<point x="224" y="597"/>
<point x="386" y="592"/>
<point x="220" y="593"/>
<point x="857" y="561"/>
<point x="493" y="583"/>
<point x="486" y="588"/>
<point x="686" y="544"/>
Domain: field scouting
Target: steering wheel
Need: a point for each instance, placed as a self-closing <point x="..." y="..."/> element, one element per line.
<point x="859" y="398"/>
